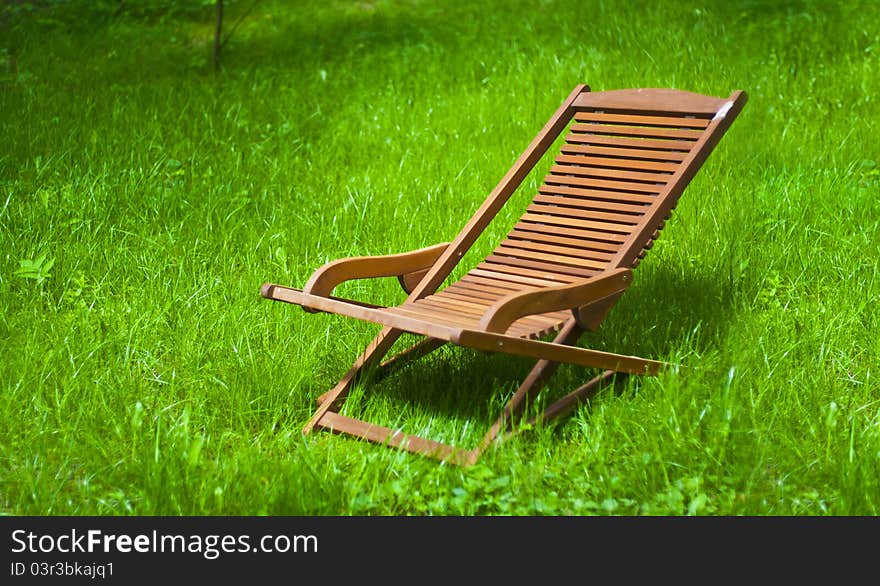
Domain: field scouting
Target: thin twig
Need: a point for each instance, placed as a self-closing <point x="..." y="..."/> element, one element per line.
<point x="238" y="22"/>
<point x="218" y="31"/>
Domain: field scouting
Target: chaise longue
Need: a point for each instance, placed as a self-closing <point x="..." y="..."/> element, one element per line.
<point x="626" y="158"/>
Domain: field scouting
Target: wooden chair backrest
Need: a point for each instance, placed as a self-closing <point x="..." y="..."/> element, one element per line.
<point x="626" y="159"/>
<point x="600" y="124"/>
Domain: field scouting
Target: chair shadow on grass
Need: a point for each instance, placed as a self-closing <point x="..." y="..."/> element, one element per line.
<point x="653" y="320"/>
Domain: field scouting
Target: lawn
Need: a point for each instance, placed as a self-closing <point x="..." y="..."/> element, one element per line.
<point x="144" y="198"/>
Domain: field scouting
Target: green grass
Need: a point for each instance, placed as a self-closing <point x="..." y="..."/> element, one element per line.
<point x="141" y="373"/>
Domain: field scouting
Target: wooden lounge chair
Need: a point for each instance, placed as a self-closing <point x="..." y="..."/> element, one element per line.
<point x="626" y="159"/>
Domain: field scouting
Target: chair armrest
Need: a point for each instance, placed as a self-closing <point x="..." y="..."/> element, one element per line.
<point x="510" y="308"/>
<point x="326" y="278"/>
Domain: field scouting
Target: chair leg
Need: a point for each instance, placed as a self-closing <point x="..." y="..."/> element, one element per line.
<point x="336" y="396"/>
<point x="327" y="417"/>
<point x="383" y="435"/>
<point x="414" y="352"/>
<point x="342" y="424"/>
<point x="569" y="402"/>
<point x="534" y="382"/>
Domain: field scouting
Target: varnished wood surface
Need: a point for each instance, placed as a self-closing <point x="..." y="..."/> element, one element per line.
<point x="651" y="100"/>
<point x="412" y="318"/>
<point x="536" y="379"/>
<point x="326" y="278"/>
<point x="395" y="438"/>
<point x="512" y="307"/>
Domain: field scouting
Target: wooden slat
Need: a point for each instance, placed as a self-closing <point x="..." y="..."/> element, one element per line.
<point x="539" y="322"/>
<point x="469" y="290"/>
<point x="472" y="279"/>
<point x="500" y="288"/>
<point x="448" y="307"/>
<point x="644" y="131"/>
<point x="636" y="120"/>
<point x="462" y="294"/>
<point x="477" y="308"/>
<point x="458" y="292"/>
<point x="535" y="328"/>
<point x="575" y="257"/>
<point x="420" y="310"/>
<point x="633" y="198"/>
<point x="579" y="212"/>
<point x="562" y="229"/>
<point x="651" y="101"/>
<point x="481" y="298"/>
<point x="575" y="149"/>
<point x="540" y="266"/>
<point x="541" y="333"/>
<point x="659" y="144"/>
<point x="524" y="232"/>
<point x="428" y="304"/>
<point x="458" y="288"/>
<point x="453" y="307"/>
<point x="654" y="236"/>
<point x="447" y="316"/>
<point x="490" y="271"/>
<point x="565" y="250"/>
<point x="590" y="171"/>
<point x="554" y="326"/>
<point x="591" y="204"/>
<point x="623" y="186"/>
<point x="555" y="276"/>
<point x="546" y="318"/>
<point x="561" y="259"/>
<point x="469" y="306"/>
<point x="606" y="227"/>
<point x="617" y="163"/>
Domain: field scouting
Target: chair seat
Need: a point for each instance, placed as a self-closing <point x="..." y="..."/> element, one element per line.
<point x="445" y="310"/>
<point x="463" y="304"/>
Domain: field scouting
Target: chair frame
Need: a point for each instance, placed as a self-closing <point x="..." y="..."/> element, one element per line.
<point x="421" y="273"/>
